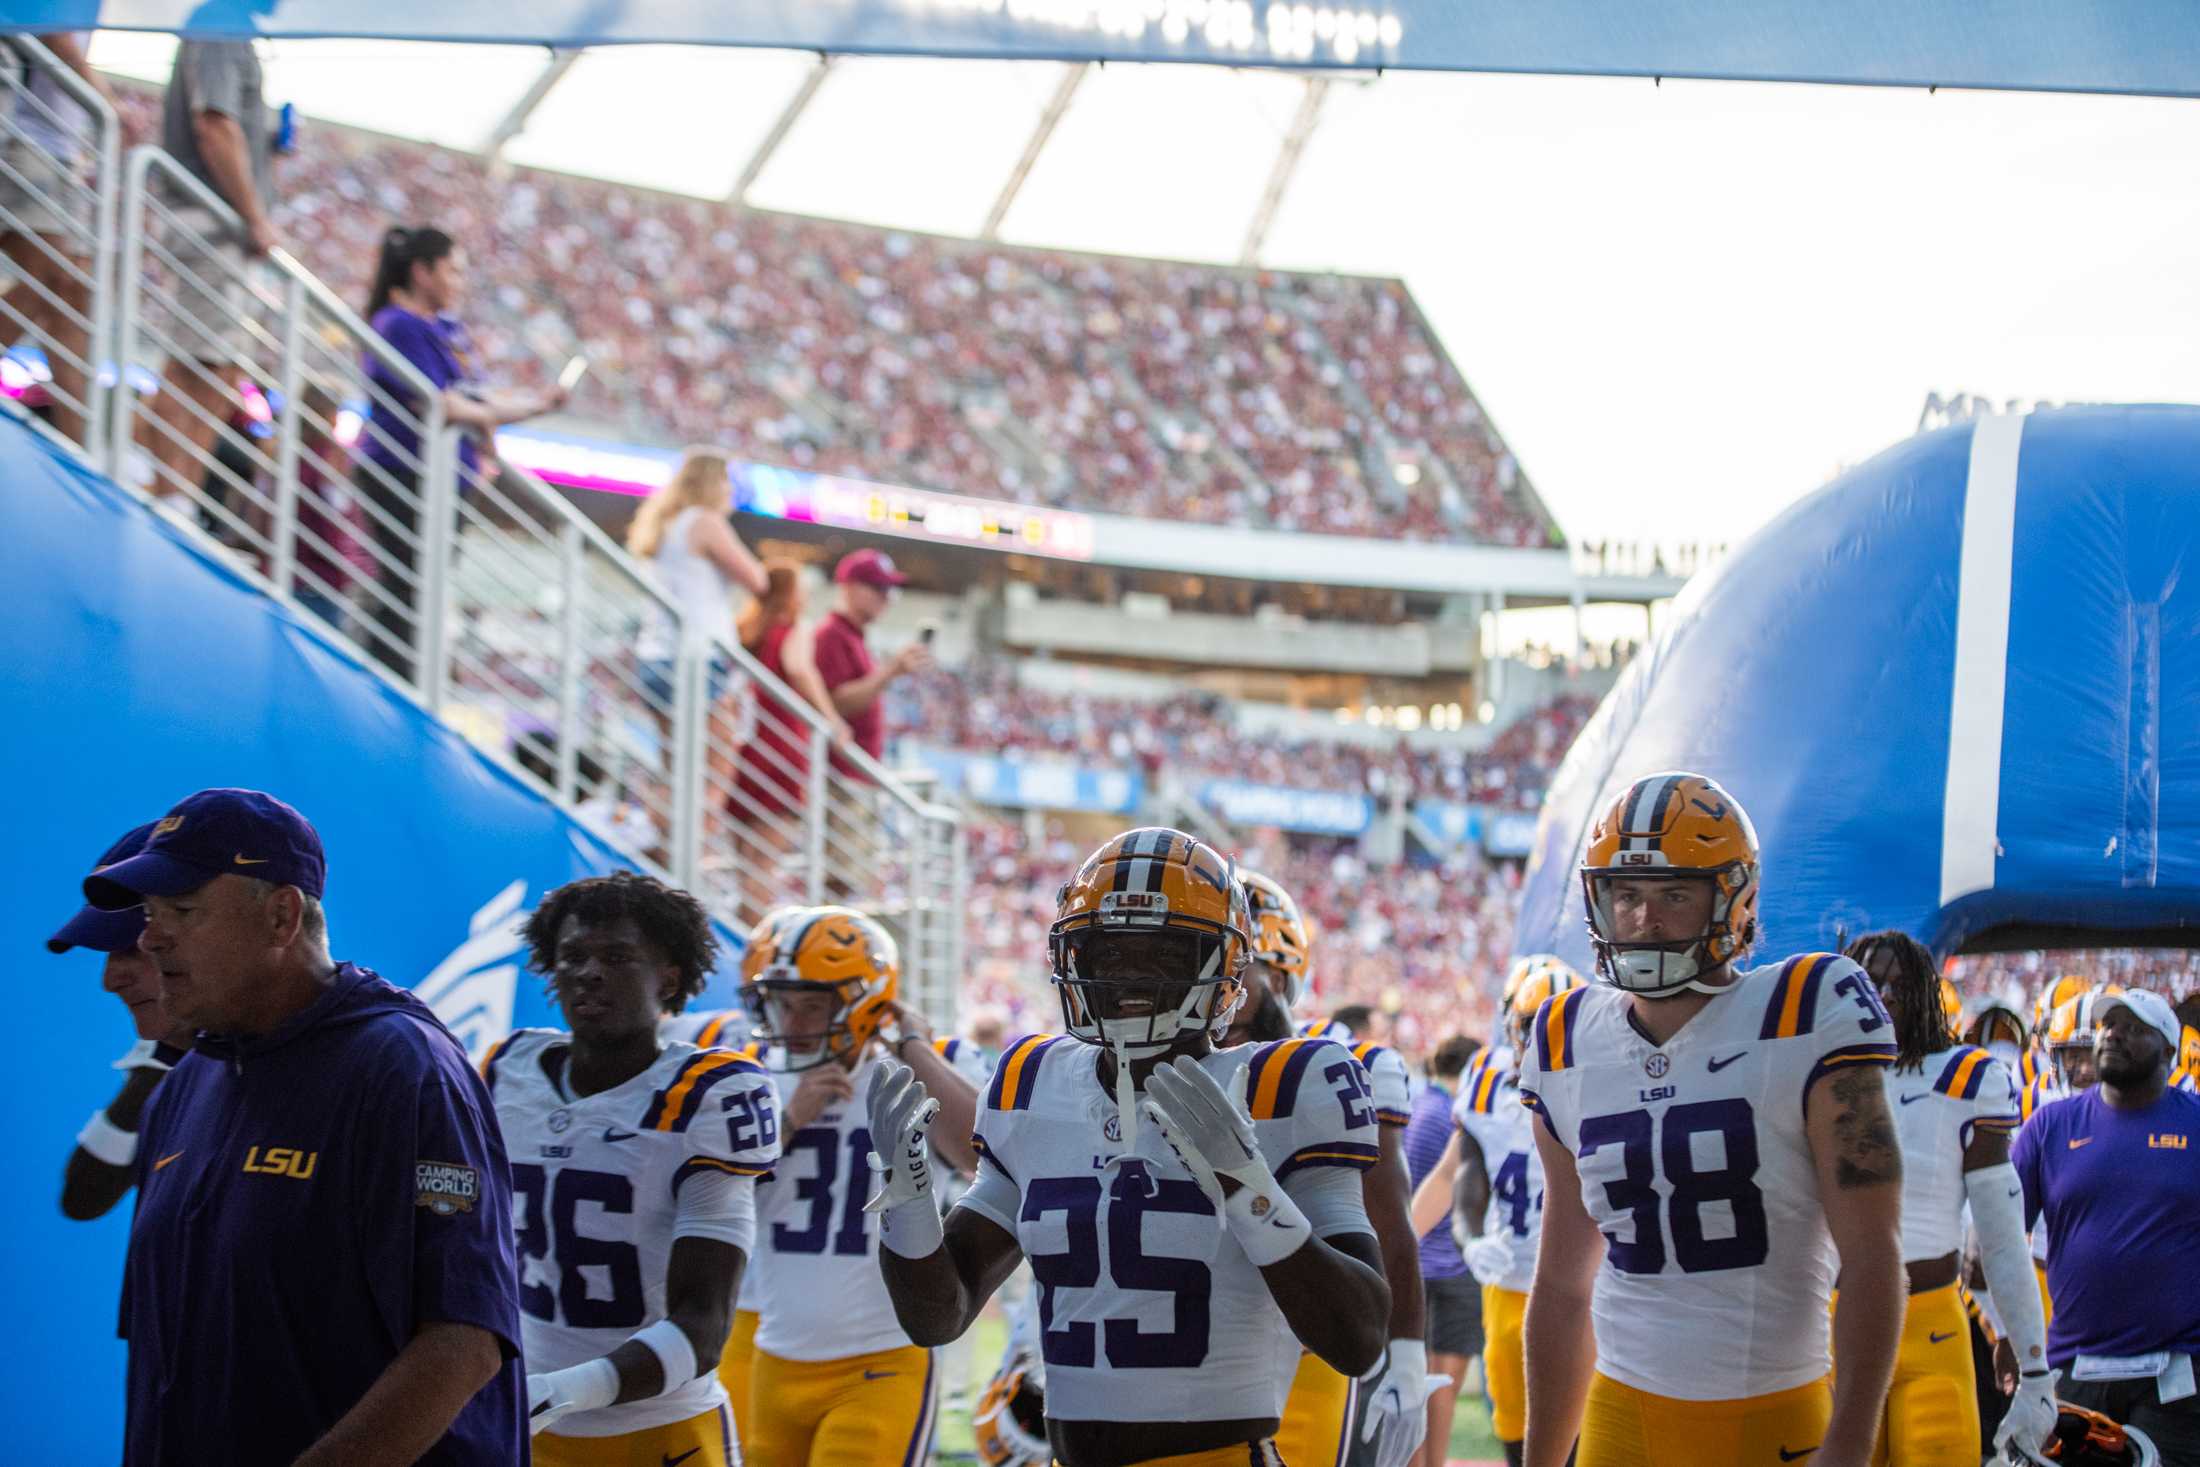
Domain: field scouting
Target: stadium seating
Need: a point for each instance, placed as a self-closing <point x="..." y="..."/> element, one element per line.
<point x="1128" y="386"/>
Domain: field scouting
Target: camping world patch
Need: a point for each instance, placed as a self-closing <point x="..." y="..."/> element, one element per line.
<point x="445" y="1187"/>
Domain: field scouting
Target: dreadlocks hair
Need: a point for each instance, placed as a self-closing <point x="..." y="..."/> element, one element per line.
<point x="671" y="921"/>
<point x="1913" y="995"/>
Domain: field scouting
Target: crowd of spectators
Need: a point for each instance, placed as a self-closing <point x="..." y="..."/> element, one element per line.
<point x="984" y="710"/>
<point x="1424" y="945"/>
<point x="1300" y="402"/>
<point x="2015" y="977"/>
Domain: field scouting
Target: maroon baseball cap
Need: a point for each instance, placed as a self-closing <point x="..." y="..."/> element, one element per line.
<point x="871" y="568"/>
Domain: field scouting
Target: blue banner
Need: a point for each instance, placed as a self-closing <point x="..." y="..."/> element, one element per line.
<point x="1313" y="812"/>
<point x="2138" y="46"/>
<point x="1036" y="784"/>
<point x="136" y="671"/>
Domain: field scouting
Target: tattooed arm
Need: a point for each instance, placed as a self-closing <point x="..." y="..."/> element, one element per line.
<point x="1859" y="1165"/>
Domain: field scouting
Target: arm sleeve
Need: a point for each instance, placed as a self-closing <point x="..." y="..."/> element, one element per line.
<point x="436" y="1217"/>
<point x="993" y="1195"/>
<point x="1331" y="1198"/>
<point x="2025" y="1157"/>
<point x="718" y="1206"/>
<point x="1997" y="1213"/>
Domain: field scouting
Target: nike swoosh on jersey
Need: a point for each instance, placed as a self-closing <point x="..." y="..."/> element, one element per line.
<point x="879" y="1374"/>
<point x="1720" y="1064"/>
<point x="1909" y="1099"/>
<point x="2081" y="1141"/>
<point x="613" y="1134"/>
<point x="248" y="861"/>
<point x="1795" y="1456"/>
<point x="171" y="1156"/>
<point x="1933" y="1339"/>
<point x="672" y="1461"/>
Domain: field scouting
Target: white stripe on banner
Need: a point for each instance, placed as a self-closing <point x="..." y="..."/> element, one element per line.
<point x="1970" y="813"/>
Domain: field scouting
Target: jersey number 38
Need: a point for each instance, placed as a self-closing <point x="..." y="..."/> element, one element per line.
<point x="1647" y="1150"/>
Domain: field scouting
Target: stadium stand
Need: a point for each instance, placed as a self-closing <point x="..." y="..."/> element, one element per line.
<point x="1311" y="403"/>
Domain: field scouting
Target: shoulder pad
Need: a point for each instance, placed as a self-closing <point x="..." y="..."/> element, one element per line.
<point x="516" y="1042"/>
<point x="1272" y="1074"/>
<point x="713" y="1033"/>
<point x="673" y="1107"/>
<point x="1017" y="1077"/>
<point x="1792" y="1008"/>
<point x="1963" y="1073"/>
<point x="1554" y="1026"/>
<point x="1484" y="1095"/>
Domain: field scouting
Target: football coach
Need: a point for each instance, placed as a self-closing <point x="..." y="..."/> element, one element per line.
<point x="321" y="1270"/>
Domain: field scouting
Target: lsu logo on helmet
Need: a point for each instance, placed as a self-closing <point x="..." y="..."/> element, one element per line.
<point x="1160" y="882"/>
<point x="836" y="951"/>
<point x="1666" y="827"/>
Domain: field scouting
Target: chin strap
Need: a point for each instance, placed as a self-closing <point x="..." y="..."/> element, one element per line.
<point x="1126" y="1098"/>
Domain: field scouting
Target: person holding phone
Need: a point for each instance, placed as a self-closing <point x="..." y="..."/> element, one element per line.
<point x="417" y="284"/>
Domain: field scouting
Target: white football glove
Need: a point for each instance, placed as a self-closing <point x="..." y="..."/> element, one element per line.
<point x="2031" y="1415"/>
<point x="1489" y="1258"/>
<point x="1211" y="1133"/>
<point x="901" y="1112"/>
<point x="1397" y="1407"/>
<point x="556" y="1394"/>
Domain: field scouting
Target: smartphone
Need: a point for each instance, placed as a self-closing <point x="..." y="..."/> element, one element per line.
<point x="575" y="368"/>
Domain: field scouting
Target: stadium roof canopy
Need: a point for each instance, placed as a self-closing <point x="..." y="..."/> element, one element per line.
<point x="2135" y="46"/>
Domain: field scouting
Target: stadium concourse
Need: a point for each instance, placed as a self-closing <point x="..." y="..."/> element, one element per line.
<point x="1315" y="403"/>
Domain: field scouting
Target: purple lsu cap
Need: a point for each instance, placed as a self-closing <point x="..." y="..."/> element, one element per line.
<point x="102" y="931"/>
<point x="215" y="833"/>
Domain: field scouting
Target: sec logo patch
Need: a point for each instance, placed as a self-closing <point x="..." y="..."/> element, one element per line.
<point x="1656" y="1066"/>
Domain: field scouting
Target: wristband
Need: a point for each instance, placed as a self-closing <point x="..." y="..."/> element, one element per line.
<point x="675" y="1352"/>
<point x="103" y="1140"/>
<point x="912" y="1229"/>
<point x="1266" y="1223"/>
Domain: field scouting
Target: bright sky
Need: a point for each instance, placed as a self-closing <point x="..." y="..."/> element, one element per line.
<point x="1684" y="306"/>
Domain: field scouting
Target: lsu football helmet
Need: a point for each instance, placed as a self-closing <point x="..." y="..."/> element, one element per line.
<point x="1551" y="978"/>
<point x="1282" y="937"/>
<point x="2052" y="997"/>
<point x="1999" y="1030"/>
<point x="1520" y="971"/>
<point x="2083" y="1438"/>
<point x="1671" y="827"/>
<point x="1951" y="1005"/>
<point x="2072" y="1029"/>
<point x="834" y="950"/>
<point x="1010" y="1423"/>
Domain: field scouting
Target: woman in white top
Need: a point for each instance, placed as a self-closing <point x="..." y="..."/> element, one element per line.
<point x="685" y="534"/>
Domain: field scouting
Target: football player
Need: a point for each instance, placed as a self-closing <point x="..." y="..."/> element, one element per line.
<point x="834" y="1380"/>
<point x="2052" y="996"/>
<point x="1956" y="1107"/>
<point x="634" y="1167"/>
<point x="1319" y="1415"/>
<point x="1999" y="1030"/>
<point x="1705" y="1132"/>
<point x="1490" y="1181"/>
<point x="1192" y="1214"/>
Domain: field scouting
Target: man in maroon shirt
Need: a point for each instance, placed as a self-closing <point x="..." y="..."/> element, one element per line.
<point x="864" y="586"/>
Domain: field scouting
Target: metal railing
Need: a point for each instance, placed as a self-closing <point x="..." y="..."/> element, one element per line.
<point x="490" y="598"/>
<point x="60" y="146"/>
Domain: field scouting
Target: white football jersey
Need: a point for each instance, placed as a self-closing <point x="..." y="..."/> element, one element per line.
<point x="1695" y="1165"/>
<point x="1492" y="1120"/>
<point x="595" y="1183"/>
<point x="1961" y="1091"/>
<point x="819" y="1294"/>
<point x="1148" y="1309"/>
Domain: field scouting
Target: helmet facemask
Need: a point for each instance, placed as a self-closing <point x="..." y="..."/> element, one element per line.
<point x="1135" y="987"/>
<point x="1664" y="968"/>
<point x="765" y="999"/>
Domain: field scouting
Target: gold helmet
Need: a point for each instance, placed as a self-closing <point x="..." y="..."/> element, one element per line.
<point x="1010" y="1420"/>
<point x="763" y="942"/>
<point x="1282" y="937"/>
<point x="1994" y="1023"/>
<point x="1551" y="977"/>
<point x="1153" y="883"/>
<point x="1520" y="971"/>
<point x="1951" y="1004"/>
<point x="833" y="950"/>
<point x="2052" y="997"/>
<point x="1665" y="828"/>
<point x="2072" y="1028"/>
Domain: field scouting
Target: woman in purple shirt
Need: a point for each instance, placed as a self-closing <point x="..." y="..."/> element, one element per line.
<point x="416" y="284"/>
